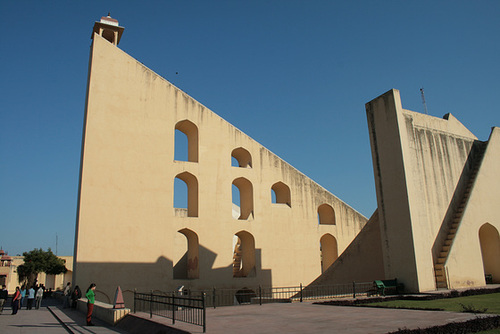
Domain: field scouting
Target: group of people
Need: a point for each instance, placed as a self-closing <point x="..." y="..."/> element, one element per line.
<point x="72" y="296"/>
<point x="36" y="292"/>
<point x="33" y="294"/>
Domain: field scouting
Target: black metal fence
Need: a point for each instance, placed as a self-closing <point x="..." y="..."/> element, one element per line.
<point x="187" y="309"/>
<point x="261" y="295"/>
<point x="190" y="306"/>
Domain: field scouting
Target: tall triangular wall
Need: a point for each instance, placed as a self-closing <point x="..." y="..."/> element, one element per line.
<point x="129" y="234"/>
<point x="423" y="168"/>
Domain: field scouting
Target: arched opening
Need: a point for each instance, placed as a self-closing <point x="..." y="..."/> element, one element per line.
<point x="245" y="295"/>
<point x="187" y="143"/>
<point x="236" y="202"/>
<point x="329" y="251"/>
<point x="192" y="193"/>
<point x="109" y="35"/>
<point x="242" y="195"/>
<point x="181" y="146"/>
<point x="326" y="215"/>
<point x="241" y="158"/>
<point x="243" y="255"/>
<point x="188" y="266"/>
<point x="490" y="251"/>
<point x="180" y="194"/>
<point x="280" y="194"/>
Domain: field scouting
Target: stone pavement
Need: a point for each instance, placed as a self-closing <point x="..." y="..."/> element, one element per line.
<point x="50" y="318"/>
<point x="268" y="318"/>
<point x="310" y="318"/>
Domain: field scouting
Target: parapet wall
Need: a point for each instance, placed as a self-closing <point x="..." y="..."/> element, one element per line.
<point x="103" y="311"/>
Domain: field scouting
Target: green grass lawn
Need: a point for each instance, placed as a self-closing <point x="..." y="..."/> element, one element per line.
<point x="492" y="331"/>
<point x="490" y="301"/>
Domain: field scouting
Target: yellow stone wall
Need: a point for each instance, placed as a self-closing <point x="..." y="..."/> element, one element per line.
<point x="422" y="165"/>
<point x="128" y="230"/>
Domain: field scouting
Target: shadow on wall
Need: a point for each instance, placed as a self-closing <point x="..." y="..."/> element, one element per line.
<point x="458" y="197"/>
<point x="159" y="276"/>
<point x="361" y="261"/>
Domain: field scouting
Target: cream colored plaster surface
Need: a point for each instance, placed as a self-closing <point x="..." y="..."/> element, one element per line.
<point x="385" y="119"/>
<point x="422" y="166"/>
<point x="435" y="162"/>
<point x="127" y="229"/>
<point x="465" y="264"/>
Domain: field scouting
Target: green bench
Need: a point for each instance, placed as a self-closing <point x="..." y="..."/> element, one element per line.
<point x="388" y="285"/>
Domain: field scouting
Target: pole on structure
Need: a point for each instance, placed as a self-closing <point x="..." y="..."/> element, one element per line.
<point x="174" y="308"/>
<point x="423" y="100"/>
<point x="203" y="296"/>
<point x="151" y="304"/>
<point x="213" y="297"/>
<point x="135" y="298"/>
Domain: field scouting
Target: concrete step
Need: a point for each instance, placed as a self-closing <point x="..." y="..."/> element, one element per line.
<point x="438" y="273"/>
<point x="441" y="285"/>
<point x="440" y="279"/>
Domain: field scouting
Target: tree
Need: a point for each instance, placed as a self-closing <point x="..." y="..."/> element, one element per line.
<point x="38" y="261"/>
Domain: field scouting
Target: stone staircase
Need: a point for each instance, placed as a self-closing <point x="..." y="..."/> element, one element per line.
<point x="439" y="268"/>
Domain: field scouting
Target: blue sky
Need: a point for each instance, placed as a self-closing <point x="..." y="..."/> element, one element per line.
<point x="294" y="75"/>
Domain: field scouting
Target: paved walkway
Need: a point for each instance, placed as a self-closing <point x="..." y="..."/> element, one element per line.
<point x="268" y="318"/>
<point x="310" y="318"/>
<point x="50" y="319"/>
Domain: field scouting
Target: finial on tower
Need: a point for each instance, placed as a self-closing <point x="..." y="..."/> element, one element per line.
<point x="109" y="29"/>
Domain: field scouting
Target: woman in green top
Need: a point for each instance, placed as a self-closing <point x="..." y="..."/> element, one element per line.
<point x="90" y="303"/>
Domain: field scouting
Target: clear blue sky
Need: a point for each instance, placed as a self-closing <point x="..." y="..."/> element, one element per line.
<point x="294" y="75"/>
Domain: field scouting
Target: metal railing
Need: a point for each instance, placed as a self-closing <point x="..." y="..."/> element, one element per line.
<point x="190" y="307"/>
<point x="181" y="308"/>
<point x="261" y="295"/>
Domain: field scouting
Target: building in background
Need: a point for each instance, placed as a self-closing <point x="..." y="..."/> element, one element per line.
<point x="9" y="277"/>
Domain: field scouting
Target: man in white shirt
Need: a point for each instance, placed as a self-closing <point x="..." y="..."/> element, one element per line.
<point x="39" y="296"/>
<point x="31" y="298"/>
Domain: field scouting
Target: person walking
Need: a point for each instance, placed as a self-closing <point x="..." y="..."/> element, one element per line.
<point x="39" y="296"/>
<point x="90" y="294"/>
<point x="67" y="295"/>
<point x="77" y="294"/>
<point x="4" y="294"/>
<point x="16" y="300"/>
<point x="31" y="298"/>
<point x="23" y="296"/>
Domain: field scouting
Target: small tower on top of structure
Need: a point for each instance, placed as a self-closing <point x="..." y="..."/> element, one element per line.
<point x="109" y="29"/>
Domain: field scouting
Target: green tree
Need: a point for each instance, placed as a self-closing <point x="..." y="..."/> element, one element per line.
<point x="39" y="261"/>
